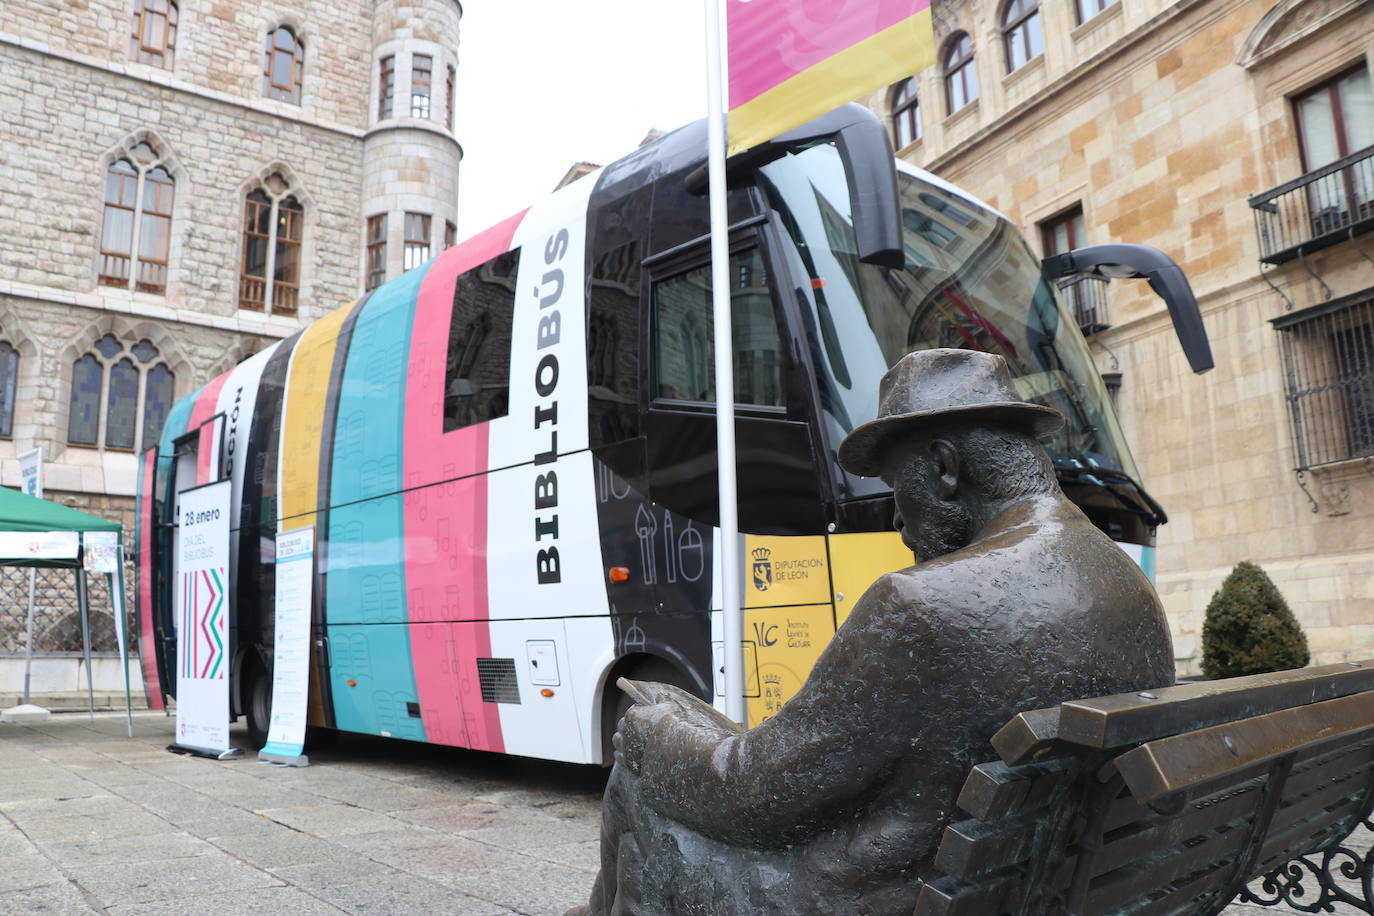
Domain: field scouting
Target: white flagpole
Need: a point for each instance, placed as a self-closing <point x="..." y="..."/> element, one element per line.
<point x="733" y="632"/>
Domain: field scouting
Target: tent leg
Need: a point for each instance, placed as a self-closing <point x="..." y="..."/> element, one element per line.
<point x="28" y="637"/>
<point x="86" y="637"/>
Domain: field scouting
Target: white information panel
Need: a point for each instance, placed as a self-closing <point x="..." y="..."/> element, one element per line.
<point x="202" y="609"/>
<point x="291" y="649"/>
<point x="39" y="545"/>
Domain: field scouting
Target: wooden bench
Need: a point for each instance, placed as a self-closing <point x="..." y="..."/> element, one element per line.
<point x="1171" y="802"/>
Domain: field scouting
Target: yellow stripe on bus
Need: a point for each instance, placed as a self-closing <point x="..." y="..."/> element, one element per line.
<point x="302" y="437"/>
<point x="307" y="386"/>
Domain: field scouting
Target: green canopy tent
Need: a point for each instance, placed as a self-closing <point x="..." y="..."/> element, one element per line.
<point x="38" y="533"/>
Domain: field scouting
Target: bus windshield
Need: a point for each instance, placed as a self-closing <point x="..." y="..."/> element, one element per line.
<point x="969" y="281"/>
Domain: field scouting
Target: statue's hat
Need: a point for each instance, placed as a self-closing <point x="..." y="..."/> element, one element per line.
<point x="942" y="384"/>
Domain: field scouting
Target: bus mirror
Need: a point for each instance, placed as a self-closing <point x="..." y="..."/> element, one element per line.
<point x="1119" y="261"/>
<point x="869" y="168"/>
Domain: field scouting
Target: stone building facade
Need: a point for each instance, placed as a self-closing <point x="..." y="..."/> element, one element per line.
<point x="186" y="181"/>
<point x="1238" y="137"/>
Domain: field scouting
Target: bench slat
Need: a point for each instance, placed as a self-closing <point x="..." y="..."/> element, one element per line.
<point x="948" y="897"/>
<point x="995" y="790"/>
<point x="1168" y="868"/>
<point x="1181" y="762"/>
<point x="1197" y="819"/>
<point x="1129" y="718"/>
<point x="970" y="849"/>
<point x="1032" y="735"/>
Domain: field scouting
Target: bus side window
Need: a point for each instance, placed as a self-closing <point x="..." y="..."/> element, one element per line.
<point x="613" y="343"/>
<point x="683" y="333"/>
<point x="477" y="378"/>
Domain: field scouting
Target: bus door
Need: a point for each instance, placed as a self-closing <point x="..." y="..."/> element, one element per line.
<point x="197" y="459"/>
<point x="157" y="639"/>
<point x="781" y="497"/>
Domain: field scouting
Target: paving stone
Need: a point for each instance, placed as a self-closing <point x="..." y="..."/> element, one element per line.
<point x="407" y="894"/>
<point x="268" y="901"/>
<point x="121" y="849"/>
<point x="142" y="882"/>
<point x="330" y="819"/>
<point x="28" y="869"/>
<point x="282" y="847"/>
<point x="58" y="898"/>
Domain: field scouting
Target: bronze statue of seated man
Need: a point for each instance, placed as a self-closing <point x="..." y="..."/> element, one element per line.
<point x="837" y="803"/>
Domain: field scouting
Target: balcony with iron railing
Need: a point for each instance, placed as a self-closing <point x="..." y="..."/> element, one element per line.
<point x="1087" y="295"/>
<point x="1317" y="210"/>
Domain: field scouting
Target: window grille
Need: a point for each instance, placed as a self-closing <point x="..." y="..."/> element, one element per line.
<point x="498" y="680"/>
<point x="1328" y="363"/>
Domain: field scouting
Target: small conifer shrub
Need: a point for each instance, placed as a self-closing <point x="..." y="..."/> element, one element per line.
<point x="1249" y="628"/>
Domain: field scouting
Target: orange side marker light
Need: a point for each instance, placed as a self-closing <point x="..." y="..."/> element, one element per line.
<point x="620" y="574"/>
<point x="546" y="692"/>
<point x="353" y="683"/>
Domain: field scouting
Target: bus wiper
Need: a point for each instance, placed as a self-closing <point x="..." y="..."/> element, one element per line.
<point x="1109" y="479"/>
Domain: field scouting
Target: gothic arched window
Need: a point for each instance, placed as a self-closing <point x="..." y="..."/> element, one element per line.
<point x="114" y="387"/>
<point x="272" y="229"/>
<point x="136" y="232"/>
<point x="9" y="379"/>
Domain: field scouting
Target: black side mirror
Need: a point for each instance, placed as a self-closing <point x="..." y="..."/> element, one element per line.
<point x="1120" y="261"/>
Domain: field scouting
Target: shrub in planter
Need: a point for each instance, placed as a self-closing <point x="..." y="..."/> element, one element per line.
<point x="1249" y="628"/>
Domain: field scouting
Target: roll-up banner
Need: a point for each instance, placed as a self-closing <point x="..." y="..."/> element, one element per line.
<point x="291" y="648"/>
<point x="202" y="609"/>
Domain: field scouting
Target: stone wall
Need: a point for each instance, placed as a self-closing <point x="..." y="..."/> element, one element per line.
<point x="72" y="101"/>
<point x="1161" y="120"/>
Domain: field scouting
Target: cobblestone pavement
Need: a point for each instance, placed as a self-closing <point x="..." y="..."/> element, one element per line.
<point x="92" y="821"/>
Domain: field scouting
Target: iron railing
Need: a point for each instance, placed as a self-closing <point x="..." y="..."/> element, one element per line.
<point x="1328" y="361"/>
<point x="1087" y="295"/>
<point x="1316" y="210"/>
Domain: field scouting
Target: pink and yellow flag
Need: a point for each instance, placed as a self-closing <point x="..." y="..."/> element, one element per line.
<point x="792" y="60"/>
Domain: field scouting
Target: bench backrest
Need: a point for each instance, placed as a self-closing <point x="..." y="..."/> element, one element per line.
<point x="1166" y="802"/>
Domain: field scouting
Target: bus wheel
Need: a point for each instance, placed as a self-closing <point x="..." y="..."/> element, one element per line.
<point x="258" y="705"/>
<point x="617" y="702"/>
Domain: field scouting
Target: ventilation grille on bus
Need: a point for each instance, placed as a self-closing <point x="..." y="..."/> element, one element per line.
<point x="498" y="680"/>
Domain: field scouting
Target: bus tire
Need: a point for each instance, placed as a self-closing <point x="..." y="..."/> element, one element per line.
<point x="257" y="705"/>
<point x="616" y="702"/>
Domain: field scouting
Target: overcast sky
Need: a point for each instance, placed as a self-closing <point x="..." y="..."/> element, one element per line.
<point x="544" y="84"/>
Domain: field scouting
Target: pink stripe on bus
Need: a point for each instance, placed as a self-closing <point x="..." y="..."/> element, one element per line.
<point x="772" y="41"/>
<point x="204" y="408"/>
<point x="446" y="522"/>
<point x="147" y="642"/>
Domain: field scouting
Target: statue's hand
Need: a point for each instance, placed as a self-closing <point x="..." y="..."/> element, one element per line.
<point x="636" y="731"/>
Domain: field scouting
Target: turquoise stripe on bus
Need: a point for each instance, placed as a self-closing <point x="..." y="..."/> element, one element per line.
<point x="175" y="424"/>
<point x="374" y="676"/>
